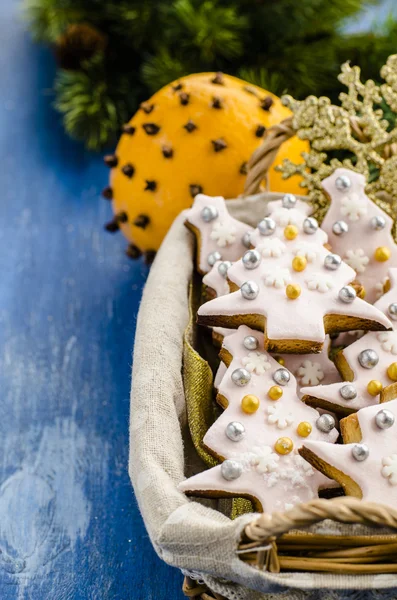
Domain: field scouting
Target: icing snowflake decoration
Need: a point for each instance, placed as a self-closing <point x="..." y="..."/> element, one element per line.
<point x="389" y="468"/>
<point x="284" y="217"/>
<point x="353" y="206"/>
<point x="256" y="362"/>
<point x="223" y="233"/>
<point x="320" y="282"/>
<point x="277" y="277"/>
<point x="388" y="341"/>
<point x="271" y="247"/>
<point x="359" y="231"/>
<point x="367" y="379"/>
<point x="308" y="251"/>
<point x="264" y="459"/>
<point x="357" y="260"/>
<point x="219" y="235"/>
<point x="366" y="463"/>
<point x="279" y="417"/>
<point x="263" y="462"/>
<point x="310" y="373"/>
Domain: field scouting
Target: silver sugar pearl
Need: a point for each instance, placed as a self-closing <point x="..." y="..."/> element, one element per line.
<point x="267" y="226"/>
<point x="360" y="452"/>
<point x="347" y="294"/>
<point x="368" y="358"/>
<point x="235" y="431"/>
<point x="325" y="423"/>
<point x="332" y="262"/>
<point x="209" y="213"/>
<point x="384" y="419"/>
<point x="378" y="223"/>
<point x="213" y="257"/>
<point x="246" y="239"/>
<point x="281" y="376"/>
<point x="310" y="225"/>
<point x="241" y="376"/>
<point x="348" y="391"/>
<point x="249" y="290"/>
<point x="340" y="227"/>
<point x="251" y="259"/>
<point x="342" y="183"/>
<point x="231" y="469"/>
<point x="289" y="201"/>
<point x="250" y="342"/>
<point x="223" y="267"/>
<point x="392" y="310"/>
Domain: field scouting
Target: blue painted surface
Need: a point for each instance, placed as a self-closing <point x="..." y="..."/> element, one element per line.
<point x="69" y="524"/>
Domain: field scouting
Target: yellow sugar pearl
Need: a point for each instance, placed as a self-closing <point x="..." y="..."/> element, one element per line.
<point x="382" y="254"/>
<point x="392" y="371"/>
<point x="374" y="387"/>
<point x="280" y="360"/>
<point x="293" y="291"/>
<point x="284" y="445"/>
<point x="250" y="404"/>
<point x="290" y="232"/>
<point x="361" y="292"/>
<point x="304" y="429"/>
<point x="299" y="263"/>
<point x="275" y="392"/>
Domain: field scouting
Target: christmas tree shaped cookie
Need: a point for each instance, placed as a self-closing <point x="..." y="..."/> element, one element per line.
<point x="219" y="236"/>
<point x="366" y="366"/>
<point x="358" y="230"/>
<point x="295" y="295"/>
<point x="260" y="431"/>
<point x="366" y="464"/>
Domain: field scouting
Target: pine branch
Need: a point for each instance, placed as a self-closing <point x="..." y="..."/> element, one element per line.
<point x="49" y="18"/>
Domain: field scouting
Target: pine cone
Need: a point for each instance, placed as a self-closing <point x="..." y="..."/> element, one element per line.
<point x="80" y="42"/>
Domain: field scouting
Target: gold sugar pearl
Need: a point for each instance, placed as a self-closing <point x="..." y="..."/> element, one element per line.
<point x="275" y="392"/>
<point x="290" y="232"/>
<point x="293" y="291"/>
<point x="392" y="371"/>
<point x="382" y="254"/>
<point x="250" y="404"/>
<point x="299" y="263"/>
<point x="304" y="429"/>
<point x="284" y="445"/>
<point x="374" y="387"/>
<point x="280" y="360"/>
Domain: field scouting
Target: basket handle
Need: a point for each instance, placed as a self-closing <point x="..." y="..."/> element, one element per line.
<point x="267" y="527"/>
<point x="264" y="156"/>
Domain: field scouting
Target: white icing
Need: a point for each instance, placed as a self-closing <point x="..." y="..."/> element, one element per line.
<point x="389" y="468"/>
<point x="388" y="340"/>
<point x="286" y="216"/>
<point x="256" y="362"/>
<point x="357" y="260"/>
<point x="264" y="459"/>
<point x="310" y="373"/>
<point x="223" y="233"/>
<point x="216" y="281"/>
<point x="361" y="237"/>
<point x="307" y="250"/>
<point x="320" y="282"/>
<point x="271" y="247"/>
<point x="277" y="277"/>
<point x="279" y="416"/>
<point x="353" y="206"/>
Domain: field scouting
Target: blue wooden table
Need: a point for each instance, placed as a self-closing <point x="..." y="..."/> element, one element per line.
<point x="69" y="525"/>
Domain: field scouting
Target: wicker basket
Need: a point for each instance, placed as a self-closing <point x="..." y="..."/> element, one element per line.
<point x="339" y="544"/>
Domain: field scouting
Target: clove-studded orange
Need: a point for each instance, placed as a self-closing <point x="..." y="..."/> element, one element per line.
<point x="194" y="135"/>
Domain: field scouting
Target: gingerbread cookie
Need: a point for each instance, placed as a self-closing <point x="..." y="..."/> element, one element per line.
<point x="215" y="281"/>
<point x="295" y="297"/>
<point x="219" y="236"/>
<point x="366" y="464"/>
<point x="366" y="366"/>
<point x="262" y="427"/>
<point x="358" y="230"/>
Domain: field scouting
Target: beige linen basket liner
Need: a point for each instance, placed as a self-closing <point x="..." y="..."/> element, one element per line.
<point x="245" y="558"/>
